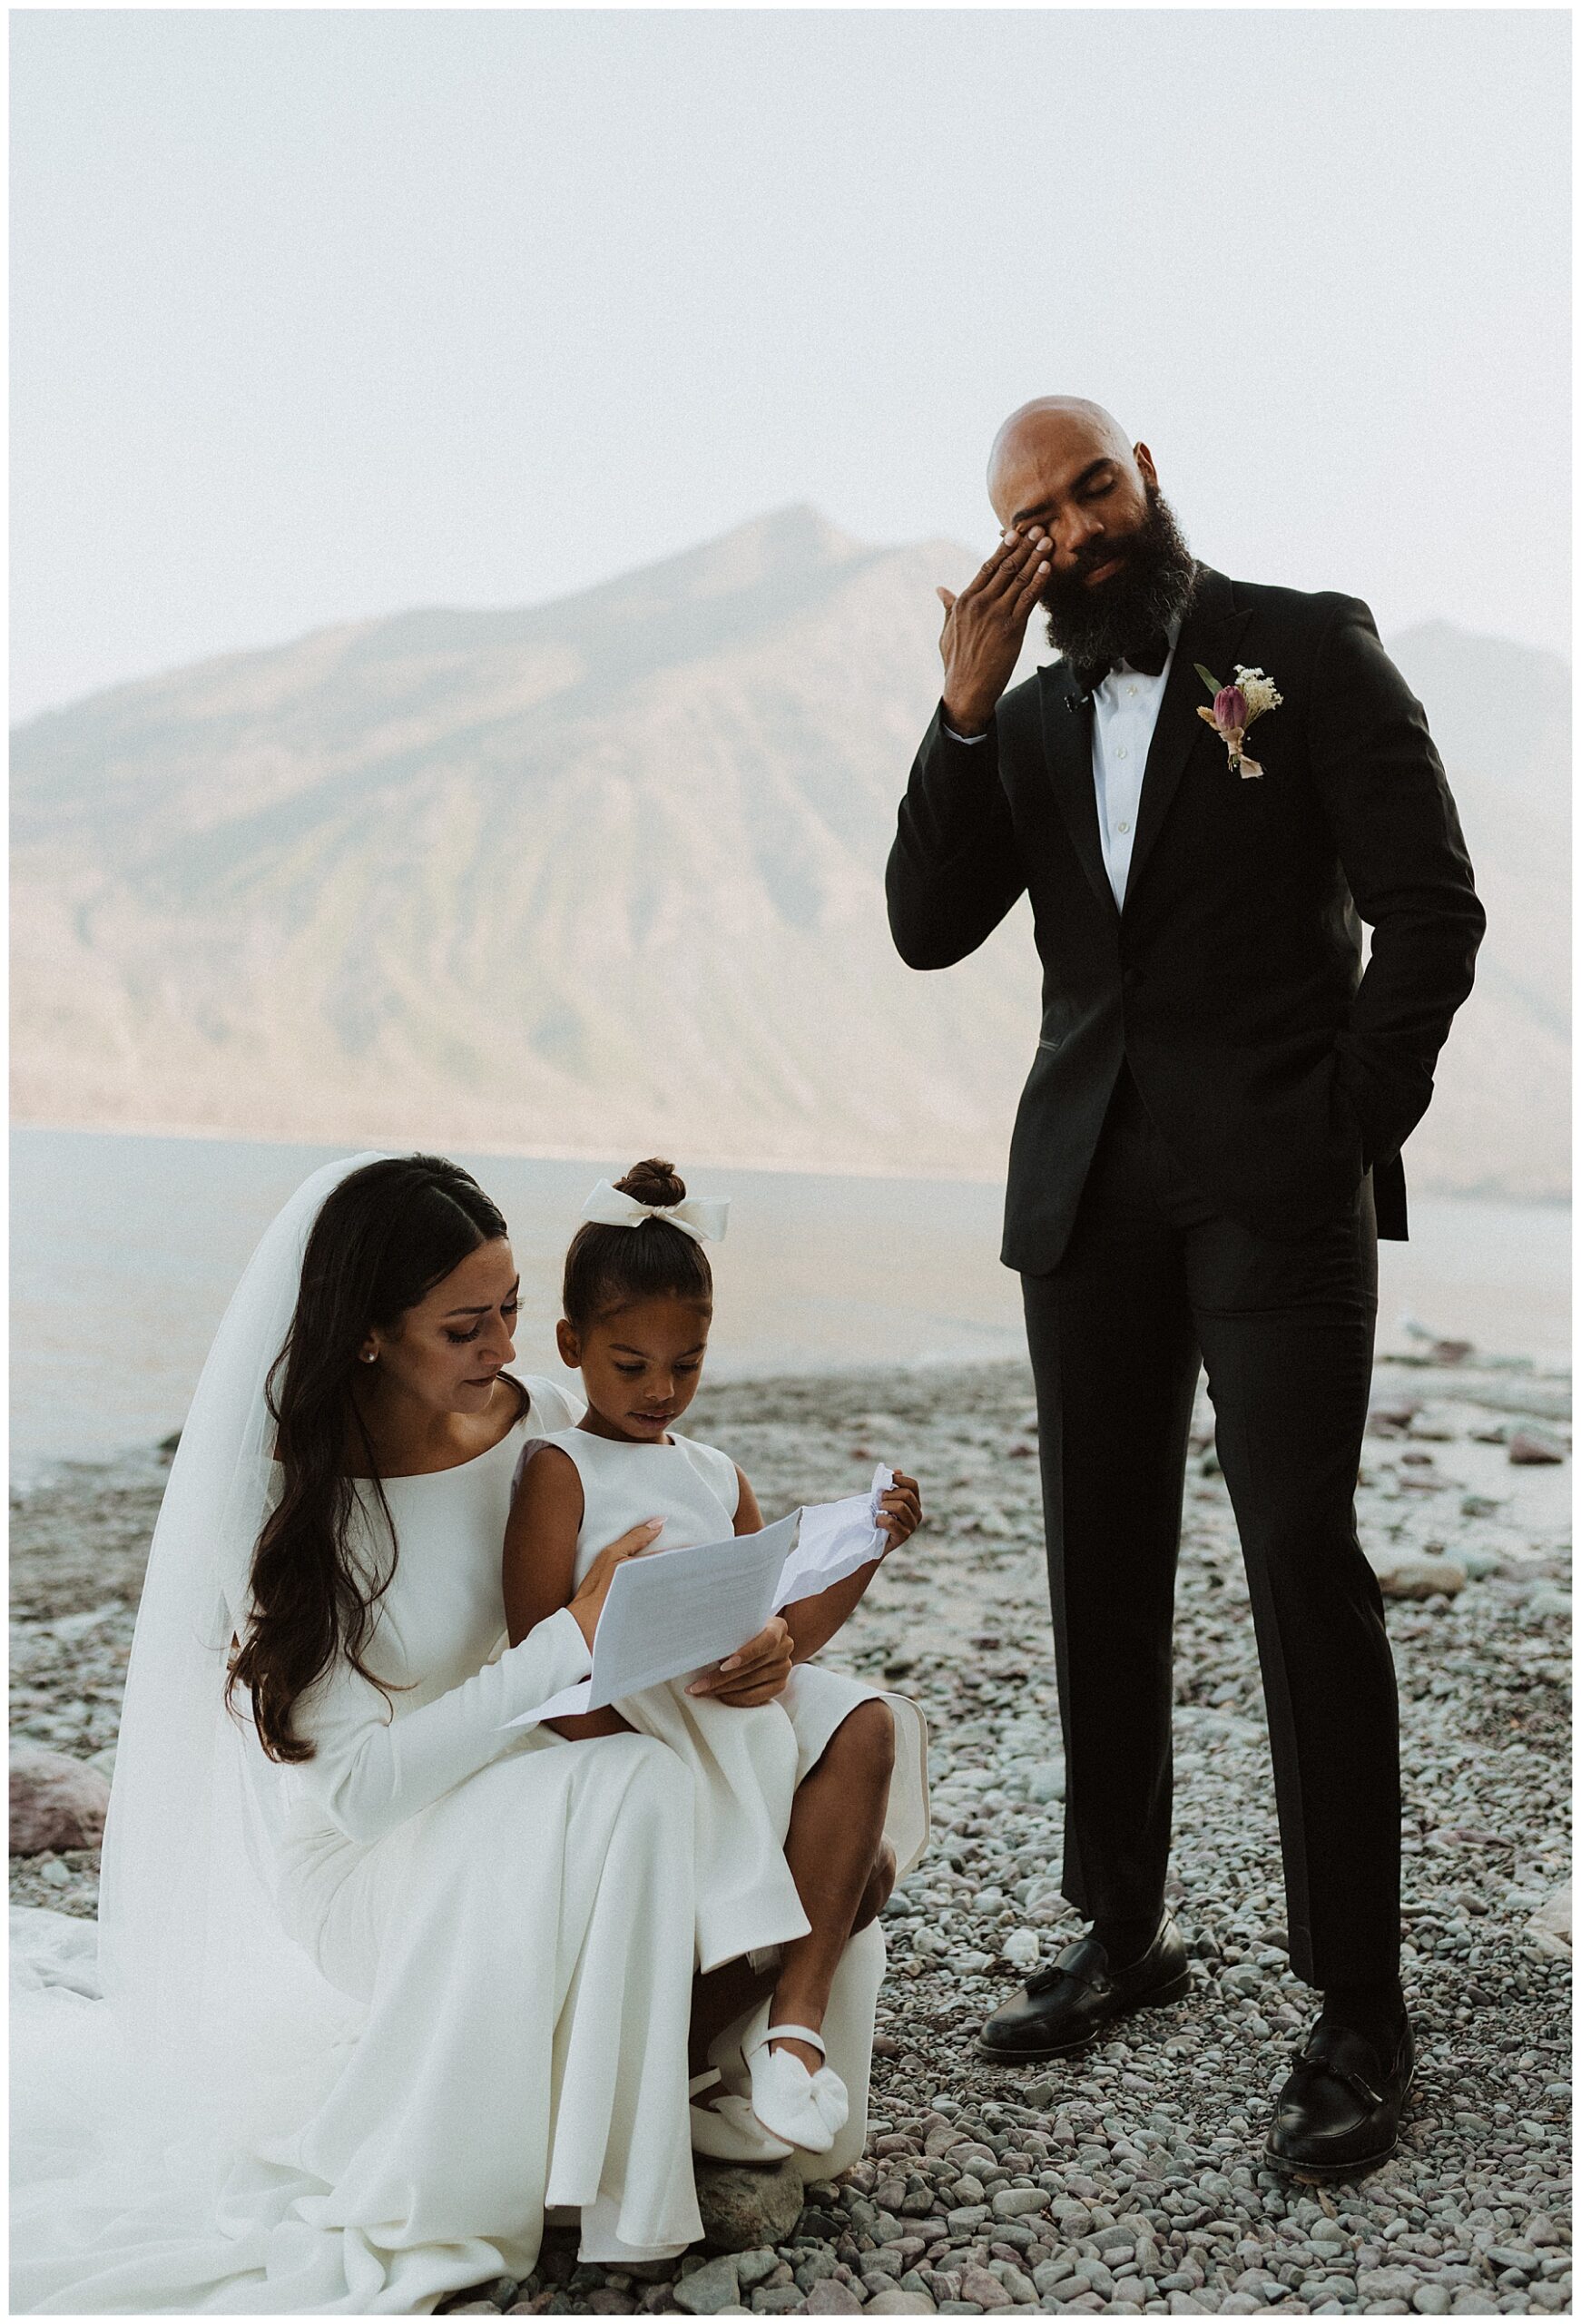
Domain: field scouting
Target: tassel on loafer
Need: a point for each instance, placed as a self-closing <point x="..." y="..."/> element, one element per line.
<point x="1339" y="2113"/>
<point x="1062" y="2007"/>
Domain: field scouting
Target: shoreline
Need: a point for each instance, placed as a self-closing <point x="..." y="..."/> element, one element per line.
<point x="723" y="1158"/>
<point x="1128" y="2178"/>
<point x="1538" y="1385"/>
<point x="504" y="1150"/>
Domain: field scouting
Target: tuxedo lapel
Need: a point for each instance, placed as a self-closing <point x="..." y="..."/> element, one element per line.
<point x="1210" y="633"/>
<point x="1067" y="741"/>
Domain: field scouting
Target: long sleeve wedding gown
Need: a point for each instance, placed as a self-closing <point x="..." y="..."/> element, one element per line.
<point x="510" y="1922"/>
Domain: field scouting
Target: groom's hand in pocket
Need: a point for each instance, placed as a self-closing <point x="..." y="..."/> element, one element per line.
<point x="984" y="627"/>
<point x="755" y="1673"/>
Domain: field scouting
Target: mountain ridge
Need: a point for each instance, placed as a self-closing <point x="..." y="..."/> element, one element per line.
<point x="583" y="875"/>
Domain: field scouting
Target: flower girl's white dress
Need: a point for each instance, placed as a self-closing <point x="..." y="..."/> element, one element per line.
<point x="745" y="1763"/>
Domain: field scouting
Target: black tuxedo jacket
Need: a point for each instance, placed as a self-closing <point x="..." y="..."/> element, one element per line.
<point x="1231" y="980"/>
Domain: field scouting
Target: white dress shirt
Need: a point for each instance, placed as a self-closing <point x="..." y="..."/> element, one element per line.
<point x="1125" y="713"/>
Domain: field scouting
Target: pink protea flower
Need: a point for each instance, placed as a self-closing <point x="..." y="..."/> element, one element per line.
<point x="1233" y="709"/>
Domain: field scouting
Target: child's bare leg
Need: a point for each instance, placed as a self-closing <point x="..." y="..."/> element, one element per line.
<point x="880" y="1887"/>
<point x="836" y="1851"/>
<point x="727" y="1993"/>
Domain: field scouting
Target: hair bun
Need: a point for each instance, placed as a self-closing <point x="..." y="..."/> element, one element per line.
<point x="655" y="1183"/>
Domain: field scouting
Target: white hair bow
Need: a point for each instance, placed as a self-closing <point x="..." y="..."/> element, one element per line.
<point x="703" y="1217"/>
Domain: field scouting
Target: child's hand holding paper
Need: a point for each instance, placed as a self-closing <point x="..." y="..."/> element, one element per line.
<point x="900" y="1508"/>
<point x="840" y="1536"/>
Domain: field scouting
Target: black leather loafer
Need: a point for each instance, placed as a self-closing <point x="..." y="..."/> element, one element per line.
<point x="1339" y="2114"/>
<point x="1061" y="2007"/>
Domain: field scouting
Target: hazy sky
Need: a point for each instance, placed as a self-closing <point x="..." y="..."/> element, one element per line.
<point x="320" y="315"/>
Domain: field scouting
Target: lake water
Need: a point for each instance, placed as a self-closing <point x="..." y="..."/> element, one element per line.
<point x="125" y="1249"/>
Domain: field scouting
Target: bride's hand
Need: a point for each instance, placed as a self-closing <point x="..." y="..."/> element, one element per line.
<point x="756" y="1672"/>
<point x="588" y="1602"/>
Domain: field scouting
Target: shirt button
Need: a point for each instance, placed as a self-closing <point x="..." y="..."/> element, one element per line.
<point x="1122" y="753"/>
<point x="1130" y="689"/>
<point x="1124" y="827"/>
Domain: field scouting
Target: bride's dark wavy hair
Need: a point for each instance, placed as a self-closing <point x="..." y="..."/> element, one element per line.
<point x="384" y="1238"/>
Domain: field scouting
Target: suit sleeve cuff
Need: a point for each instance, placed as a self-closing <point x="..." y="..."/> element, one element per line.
<point x="967" y="739"/>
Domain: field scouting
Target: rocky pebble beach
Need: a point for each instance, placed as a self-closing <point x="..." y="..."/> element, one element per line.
<point x="1127" y="2181"/>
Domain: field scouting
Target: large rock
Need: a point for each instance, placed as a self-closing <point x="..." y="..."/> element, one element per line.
<point x="1405" y="1573"/>
<point x="746" y="2206"/>
<point x="1549" y="1925"/>
<point x="56" y="1802"/>
<point x="1535" y="1448"/>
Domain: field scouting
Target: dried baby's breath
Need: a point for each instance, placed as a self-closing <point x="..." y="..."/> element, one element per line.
<point x="1260" y="691"/>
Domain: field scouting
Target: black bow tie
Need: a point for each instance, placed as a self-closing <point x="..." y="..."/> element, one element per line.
<point x="1149" y="654"/>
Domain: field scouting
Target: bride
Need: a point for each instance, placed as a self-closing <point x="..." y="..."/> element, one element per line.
<point x="385" y="1984"/>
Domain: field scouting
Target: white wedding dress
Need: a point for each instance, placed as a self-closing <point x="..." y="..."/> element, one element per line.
<point x="511" y="1919"/>
<point x="373" y="2018"/>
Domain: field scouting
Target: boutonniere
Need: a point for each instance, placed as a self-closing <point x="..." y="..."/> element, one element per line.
<point x="1233" y="709"/>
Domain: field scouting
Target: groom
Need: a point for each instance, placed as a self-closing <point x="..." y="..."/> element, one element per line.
<point x="1208" y="1146"/>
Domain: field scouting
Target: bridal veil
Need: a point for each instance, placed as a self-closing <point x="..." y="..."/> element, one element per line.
<point x="214" y="2026"/>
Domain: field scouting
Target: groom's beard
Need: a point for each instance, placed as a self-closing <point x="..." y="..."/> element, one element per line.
<point x="1152" y="585"/>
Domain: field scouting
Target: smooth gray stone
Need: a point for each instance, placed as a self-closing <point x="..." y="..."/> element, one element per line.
<point x="709" y="2287"/>
<point x="755" y="2267"/>
<point x="748" y="2206"/>
<point x="1019" y="2203"/>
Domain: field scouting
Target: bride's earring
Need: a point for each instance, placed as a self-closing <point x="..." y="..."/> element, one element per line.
<point x="370" y="1356"/>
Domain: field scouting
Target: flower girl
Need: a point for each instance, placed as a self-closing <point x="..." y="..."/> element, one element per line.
<point x="638" y="1297"/>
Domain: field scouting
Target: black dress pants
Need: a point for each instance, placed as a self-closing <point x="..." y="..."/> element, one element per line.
<point x="1153" y="1284"/>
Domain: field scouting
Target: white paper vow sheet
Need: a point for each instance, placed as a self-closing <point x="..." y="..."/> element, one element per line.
<point x="836" y="1538"/>
<point x="671" y="1613"/>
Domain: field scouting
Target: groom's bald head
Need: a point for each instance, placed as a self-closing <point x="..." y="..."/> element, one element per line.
<point x="1046" y="447"/>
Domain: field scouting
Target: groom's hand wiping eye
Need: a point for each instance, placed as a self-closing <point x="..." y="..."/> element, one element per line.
<point x="984" y="627"/>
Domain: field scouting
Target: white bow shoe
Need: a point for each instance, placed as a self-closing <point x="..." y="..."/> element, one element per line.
<point x="807" y="2109"/>
<point x="727" y="2130"/>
